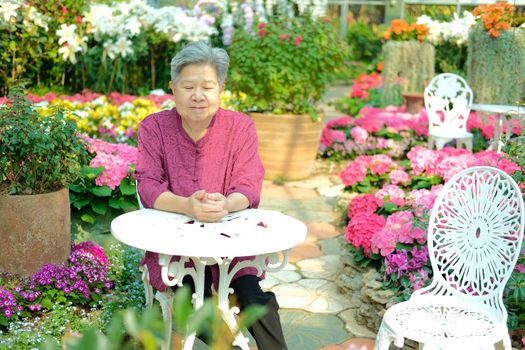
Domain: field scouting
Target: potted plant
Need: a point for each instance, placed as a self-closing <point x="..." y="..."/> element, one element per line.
<point x="281" y="70"/>
<point x="39" y="156"/>
<point x="408" y="64"/>
<point x="496" y="54"/>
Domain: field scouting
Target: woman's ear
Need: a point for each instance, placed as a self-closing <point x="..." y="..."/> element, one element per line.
<point x="172" y="87"/>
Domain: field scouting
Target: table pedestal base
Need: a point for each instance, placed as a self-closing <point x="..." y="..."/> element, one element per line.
<point x="174" y="272"/>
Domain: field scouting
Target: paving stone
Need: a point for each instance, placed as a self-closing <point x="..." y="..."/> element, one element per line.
<point x="324" y="305"/>
<point x="312" y="283"/>
<point x="322" y="230"/>
<point x="331" y="291"/>
<point x="293" y="296"/>
<point x="348" y="316"/>
<point x="307" y="331"/>
<point x="331" y="191"/>
<point x="304" y="251"/>
<point x="310" y="183"/>
<point x="331" y="246"/>
<point x="286" y="276"/>
<point x="269" y="281"/>
<point x="326" y="267"/>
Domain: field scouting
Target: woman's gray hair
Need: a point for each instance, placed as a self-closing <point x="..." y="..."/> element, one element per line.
<point x="199" y="53"/>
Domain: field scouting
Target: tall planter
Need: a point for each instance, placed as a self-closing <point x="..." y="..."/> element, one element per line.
<point x="34" y="230"/>
<point x="496" y="66"/>
<point x="288" y="144"/>
<point x="408" y="67"/>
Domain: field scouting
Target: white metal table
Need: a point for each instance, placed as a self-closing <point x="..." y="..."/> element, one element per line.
<point x="264" y="234"/>
<point x="515" y="112"/>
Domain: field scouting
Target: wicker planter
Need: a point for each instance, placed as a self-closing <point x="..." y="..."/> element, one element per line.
<point x="408" y="67"/>
<point x="35" y="230"/>
<point x="288" y="144"/>
<point x="496" y="66"/>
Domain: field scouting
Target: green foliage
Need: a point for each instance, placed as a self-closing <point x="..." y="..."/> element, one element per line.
<point x="408" y="67"/>
<point x="94" y="201"/>
<point x="451" y="58"/>
<point x="132" y="328"/>
<point x="286" y="66"/>
<point x="496" y="66"/>
<point x="38" y="153"/>
<point x="365" y="43"/>
<point x="349" y="105"/>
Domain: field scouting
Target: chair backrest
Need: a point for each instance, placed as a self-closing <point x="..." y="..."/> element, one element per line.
<point x="447" y="100"/>
<point x="138" y="195"/>
<point x="475" y="235"/>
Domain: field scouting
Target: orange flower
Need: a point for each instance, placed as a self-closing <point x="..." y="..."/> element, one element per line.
<point x="401" y="30"/>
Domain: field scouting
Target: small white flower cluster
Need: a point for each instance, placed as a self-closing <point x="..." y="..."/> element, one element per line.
<point x="455" y="31"/>
<point x="14" y="11"/>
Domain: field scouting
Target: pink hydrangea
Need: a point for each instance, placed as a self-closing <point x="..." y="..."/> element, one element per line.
<point x="361" y="228"/>
<point x="383" y="242"/>
<point x="421" y="200"/>
<point x="497" y="160"/>
<point x="355" y="171"/>
<point x="399" y="176"/>
<point x="359" y="135"/>
<point x="380" y="164"/>
<point x="365" y="204"/>
<point x="329" y="136"/>
<point x="423" y="160"/>
<point x="452" y="165"/>
<point x="392" y="194"/>
<point x="117" y="160"/>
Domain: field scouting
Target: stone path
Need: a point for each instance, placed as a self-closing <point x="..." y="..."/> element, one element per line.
<point x="314" y="315"/>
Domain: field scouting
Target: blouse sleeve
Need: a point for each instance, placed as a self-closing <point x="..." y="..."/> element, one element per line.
<point x="150" y="171"/>
<point x="248" y="171"/>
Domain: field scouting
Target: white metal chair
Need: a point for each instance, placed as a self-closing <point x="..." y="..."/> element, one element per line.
<point x="164" y="298"/>
<point x="474" y="238"/>
<point x="447" y="101"/>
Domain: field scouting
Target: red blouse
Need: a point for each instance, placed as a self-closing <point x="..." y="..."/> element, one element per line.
<point x="225" y="160"/>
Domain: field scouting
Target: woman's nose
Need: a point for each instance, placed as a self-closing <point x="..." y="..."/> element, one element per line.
<point x="198" y="94"/>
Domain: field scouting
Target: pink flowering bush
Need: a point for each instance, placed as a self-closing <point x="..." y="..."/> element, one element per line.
<point x="81" y="280"/>
<point x="107" y="183"/>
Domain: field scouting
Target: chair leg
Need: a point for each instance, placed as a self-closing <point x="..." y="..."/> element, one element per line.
<point x="148" y="289"/>
<point x="431" y="142"/>
<point x="468" y="144"/>
<point x="385" y="337"/>
<point x="166" y="304"/>
<point x="507" y="345"/>
<point x="440" y="143"/>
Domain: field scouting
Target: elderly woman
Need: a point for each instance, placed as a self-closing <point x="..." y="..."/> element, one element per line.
<point x="202" y="161"/>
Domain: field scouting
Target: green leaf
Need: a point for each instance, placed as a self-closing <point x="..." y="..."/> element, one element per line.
<point x="126" y="188"/>
<point x="99" y="206"/>
<point x="101" y="191"/>
<point x="47" y="303"/>
<point x="80" y="202"/>
<point x="87" y="218"/>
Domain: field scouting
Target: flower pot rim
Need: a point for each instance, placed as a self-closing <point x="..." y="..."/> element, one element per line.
<point x="34" y="194"/>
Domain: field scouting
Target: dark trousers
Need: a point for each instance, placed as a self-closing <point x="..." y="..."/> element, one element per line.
<point x="267" y="330"/>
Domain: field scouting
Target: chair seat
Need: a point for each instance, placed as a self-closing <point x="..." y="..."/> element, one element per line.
<point x="446" y="323"/>
<point x="450" y="133"/>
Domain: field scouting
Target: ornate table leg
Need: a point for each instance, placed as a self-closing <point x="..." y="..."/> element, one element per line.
<point x="261" y="263"/>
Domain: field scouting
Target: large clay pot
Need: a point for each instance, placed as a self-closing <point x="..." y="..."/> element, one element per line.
<point x="288" y="144"/>
<point x="34" y="230"/>
<point x="414" y="101"/>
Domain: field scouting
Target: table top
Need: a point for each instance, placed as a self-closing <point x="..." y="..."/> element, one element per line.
<point x="245" y="233"/>
<point x="499" y="109"/>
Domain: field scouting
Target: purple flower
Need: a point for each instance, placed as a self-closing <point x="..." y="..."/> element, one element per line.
<point x="8" y="313"/>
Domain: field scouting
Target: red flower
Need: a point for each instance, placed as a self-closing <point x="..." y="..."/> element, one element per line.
<point x="261" y="25"/>
<point x="64" y="10"/>
<point x="262" y="32"/>
<point x="78" y="19"/>
<point x="298" y="40"/>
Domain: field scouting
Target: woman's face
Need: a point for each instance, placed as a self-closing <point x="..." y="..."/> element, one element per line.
<point x="197" y="94"/>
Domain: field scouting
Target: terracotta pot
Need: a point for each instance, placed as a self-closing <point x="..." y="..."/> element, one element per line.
<point x="34" y="230"/>
<point x="414" y="101"/>
<point x="288" y="144"/>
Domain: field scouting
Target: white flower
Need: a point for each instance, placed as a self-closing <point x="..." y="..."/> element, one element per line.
<point x="68" y="53"/>
<point x="8" y="10"/>
<point x="133" y="25"/>
<point x="123" y="47"/>
<point x="66" y="33"/>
